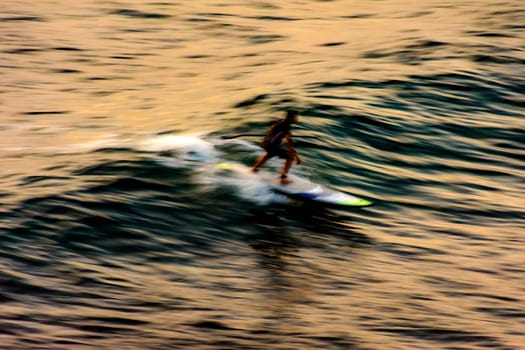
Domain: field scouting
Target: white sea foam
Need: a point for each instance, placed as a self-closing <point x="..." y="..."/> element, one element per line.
<point x="241" y="180"/>
<point x="188" y="147"/>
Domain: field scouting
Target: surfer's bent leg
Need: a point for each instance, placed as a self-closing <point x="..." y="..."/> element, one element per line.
<point x="263" y="159"/>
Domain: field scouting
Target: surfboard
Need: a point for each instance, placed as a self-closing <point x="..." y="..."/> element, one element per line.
<point x="301" y="189"/>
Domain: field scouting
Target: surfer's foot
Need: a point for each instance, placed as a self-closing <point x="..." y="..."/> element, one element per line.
<point x="254" y="170"/>
<point x="284" y="180"/>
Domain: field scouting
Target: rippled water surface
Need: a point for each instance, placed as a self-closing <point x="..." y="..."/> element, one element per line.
<point x="117" y="231"/>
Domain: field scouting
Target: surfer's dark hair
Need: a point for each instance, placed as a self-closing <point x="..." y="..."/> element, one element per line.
<point x="291" y="113"/>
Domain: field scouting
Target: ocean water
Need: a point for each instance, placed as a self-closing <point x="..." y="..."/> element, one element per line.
<point x="118" y="232"/>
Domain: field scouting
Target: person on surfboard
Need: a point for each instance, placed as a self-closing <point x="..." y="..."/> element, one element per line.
<point x="272" y="145"/>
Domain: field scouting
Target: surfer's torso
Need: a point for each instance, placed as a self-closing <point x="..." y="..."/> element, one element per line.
<point x="277" y="133"/>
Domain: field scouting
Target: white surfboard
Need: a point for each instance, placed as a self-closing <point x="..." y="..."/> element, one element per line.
<point x="302" y="189"/>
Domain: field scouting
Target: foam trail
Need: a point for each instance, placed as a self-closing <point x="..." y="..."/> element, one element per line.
<point x="239" y="144"/>
<point x="183" y="150"/>
<point x="242" y="181"/>
<point x="202" y="157"/>
<point x="192" y="147"/>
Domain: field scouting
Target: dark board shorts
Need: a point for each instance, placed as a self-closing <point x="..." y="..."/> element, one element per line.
<point x="278" y="151"/>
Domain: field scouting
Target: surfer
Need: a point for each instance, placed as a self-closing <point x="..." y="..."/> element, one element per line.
<point x="272" y="145"/>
